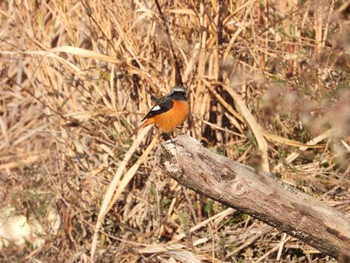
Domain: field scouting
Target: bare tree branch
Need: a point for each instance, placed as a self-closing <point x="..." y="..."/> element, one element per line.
<point x="257" y="194"/>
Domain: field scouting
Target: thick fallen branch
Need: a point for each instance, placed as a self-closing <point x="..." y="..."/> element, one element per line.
<point x="257" y="194"/>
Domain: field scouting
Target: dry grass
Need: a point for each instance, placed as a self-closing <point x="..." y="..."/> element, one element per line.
<point x="78" y="76"/>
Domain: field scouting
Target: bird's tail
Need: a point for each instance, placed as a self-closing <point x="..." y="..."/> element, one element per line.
<point x="143" y="125"/>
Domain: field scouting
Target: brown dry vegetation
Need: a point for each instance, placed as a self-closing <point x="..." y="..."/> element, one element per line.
<point x="67" y="118"/>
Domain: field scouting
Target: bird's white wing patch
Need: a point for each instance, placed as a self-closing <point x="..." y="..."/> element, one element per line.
<point x="156" y="108"/>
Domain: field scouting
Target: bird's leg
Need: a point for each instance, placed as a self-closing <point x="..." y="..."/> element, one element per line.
<point x="166" y="136"/>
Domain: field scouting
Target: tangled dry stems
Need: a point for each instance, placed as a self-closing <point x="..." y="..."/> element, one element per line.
<point x="77" y="77"/>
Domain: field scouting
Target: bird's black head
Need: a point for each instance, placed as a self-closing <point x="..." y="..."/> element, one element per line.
<point x="177" y="93"/>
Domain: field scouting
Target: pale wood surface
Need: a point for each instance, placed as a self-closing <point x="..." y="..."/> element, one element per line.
<point x="256" y="193"/>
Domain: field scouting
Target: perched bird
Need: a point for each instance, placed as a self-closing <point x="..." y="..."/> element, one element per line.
<point x="170" y="110"/>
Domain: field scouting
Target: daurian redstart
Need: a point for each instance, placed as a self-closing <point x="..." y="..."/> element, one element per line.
<point x="170" y="110"/>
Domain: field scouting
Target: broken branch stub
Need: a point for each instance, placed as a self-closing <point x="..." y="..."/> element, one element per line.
<point x="257" y="194"/>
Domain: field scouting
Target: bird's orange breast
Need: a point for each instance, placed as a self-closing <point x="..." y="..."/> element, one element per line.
<point x="169" y="120"/>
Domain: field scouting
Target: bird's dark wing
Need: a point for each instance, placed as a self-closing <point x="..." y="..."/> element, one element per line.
<point x="163" y="105"/>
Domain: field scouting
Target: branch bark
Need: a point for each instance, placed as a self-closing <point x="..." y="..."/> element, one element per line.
<point x="258" y="194"/>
